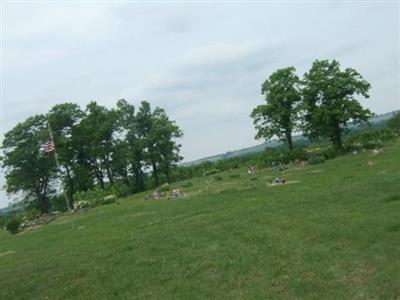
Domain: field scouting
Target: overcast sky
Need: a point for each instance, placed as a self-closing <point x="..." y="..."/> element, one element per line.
<point x="203" y="63"/>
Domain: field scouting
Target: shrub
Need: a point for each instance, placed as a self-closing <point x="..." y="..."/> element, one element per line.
<point x="217" y="178"/>
<point x="371" y="139"/>
<point x="13" y="225"/>
<point x="234" y="176"/>
<point x="316" y="159"/>
<point x="32" y="213"/>
<point x="91" y="198"/>
<point x="283" y="156"/>
<point x="211" y="172"/>
<point x="3" y="221"/>
<point x="109" y="199"/>
<point x="394" y="122"/>
<point x="186" y="184"/>
<point x="81" y="204"/>
<point x="119" y="189"/>
<point x="164" y="188"/>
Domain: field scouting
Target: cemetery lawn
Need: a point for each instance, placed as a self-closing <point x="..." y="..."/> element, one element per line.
<point x="332" y="232"/>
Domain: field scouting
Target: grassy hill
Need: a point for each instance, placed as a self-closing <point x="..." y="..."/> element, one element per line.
<point x="376" y="121"/>
<point x="332" y="232"/>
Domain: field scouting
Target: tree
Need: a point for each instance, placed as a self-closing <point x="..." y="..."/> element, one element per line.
<point x="278" y="117"/>
<point x="133" y="145"/>
<point x="28" y="170"/>
<point x="167" y="132"/>
<point x="330" y="100"/>
<point x="158" y="134"/>
<point x="145" y="125"/>
<point x="95" y="137"/>
<point x="63" y="118"/>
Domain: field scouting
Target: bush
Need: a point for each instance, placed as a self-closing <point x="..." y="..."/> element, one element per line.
<point x="57" y="202"/>
<point x="81" y="204"/>
<point x="283" y="156"/>
<point x="211" y="172"/>
<point x="316" y="159"/>
<point x="234" y="176"/>
<point x="32" y="213"/>
<point x="217" y="178"/>
<point x="394" y="122"/>
<point x="119" y="189"/>
<point x="371" y="139"/>
<point x="164" y="188"/>
<point x="92" y="198"/>
<point x="109" y="199"/>
<point x="13" y="225"/>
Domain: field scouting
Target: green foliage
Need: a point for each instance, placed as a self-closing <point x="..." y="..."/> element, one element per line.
<point x="234" y="176"/>
<point x="218" y="178"/>
<point x="119" y="189"/>
<point x="284" y="156"/>
<point x="279" y="116"/>
<point x="211" y="172"/>
<point x="316" y="159"/>
<point x="31" y="213"/>
<point x="164" y="188"/>
<point x="13" y="224"/>
<point x="329" y="100"/>
<point x="92" y="198"/>
<point x="369" y="139"/>
<point x="394" y="122"/>
<point x="186" y="184"/>
<point x="97" y="148"/>
<point x="28" y="170"/>
<point x="57" y="203"/>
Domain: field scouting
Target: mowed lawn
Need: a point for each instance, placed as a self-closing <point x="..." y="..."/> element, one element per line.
<point x="333" y="232"/>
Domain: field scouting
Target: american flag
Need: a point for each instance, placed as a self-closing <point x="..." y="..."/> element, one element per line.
<point x="48" y="146"/>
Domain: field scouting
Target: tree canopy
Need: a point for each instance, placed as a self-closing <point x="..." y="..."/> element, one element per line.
<point x="279" y="116"/>
<point x="96" y="146"/>
<point x="330" y="103"/>
<point x="321" y="105"/>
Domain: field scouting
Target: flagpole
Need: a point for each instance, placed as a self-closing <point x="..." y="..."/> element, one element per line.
<point x="58" y="165"/>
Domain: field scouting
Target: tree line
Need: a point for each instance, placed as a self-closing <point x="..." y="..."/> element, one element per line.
<point x="96" y="146"/>
<point x="320" y="105"/>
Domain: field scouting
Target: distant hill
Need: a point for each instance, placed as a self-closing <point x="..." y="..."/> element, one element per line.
<point x="377" y="121"/>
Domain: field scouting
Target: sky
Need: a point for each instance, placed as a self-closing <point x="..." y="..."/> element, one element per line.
<point x="204" y="63"/>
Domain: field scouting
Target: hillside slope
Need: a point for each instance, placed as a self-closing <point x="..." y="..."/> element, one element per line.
<point x="376" y="121"/>
<point x="332" y="232"/>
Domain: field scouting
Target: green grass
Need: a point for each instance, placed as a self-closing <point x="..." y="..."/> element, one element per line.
<point x="332" y="234"/>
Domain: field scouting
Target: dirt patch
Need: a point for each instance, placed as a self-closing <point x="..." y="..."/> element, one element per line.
<point x="6" y="253"/>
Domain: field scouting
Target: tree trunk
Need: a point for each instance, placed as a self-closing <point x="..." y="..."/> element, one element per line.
<point x="99" y="177"/>
<point x="289" y="139"/>
<point x="139" y="181"/>
<point x="109" y="175"/>
<point x="42" y="203"/>
<point x="70" y="183"/>
<point x="167" y="173"/>
<point x="155" y="173"/>
<point x="337" y="137"/>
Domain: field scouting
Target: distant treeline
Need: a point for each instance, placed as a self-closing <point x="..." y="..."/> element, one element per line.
<point x="363" y="137"/>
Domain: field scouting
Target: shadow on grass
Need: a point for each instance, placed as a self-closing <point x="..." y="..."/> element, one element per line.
<point x="392" y="198"/>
